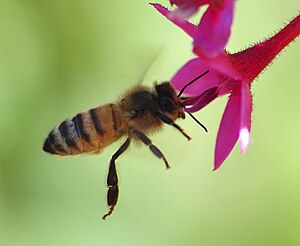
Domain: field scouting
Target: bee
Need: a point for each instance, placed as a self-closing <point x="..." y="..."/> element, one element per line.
<point x="138" y="113"/>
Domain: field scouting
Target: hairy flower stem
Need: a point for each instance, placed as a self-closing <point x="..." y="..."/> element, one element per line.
<point x="253" y="60"/>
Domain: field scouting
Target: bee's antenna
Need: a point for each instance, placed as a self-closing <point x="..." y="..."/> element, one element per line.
<point x="199" y="123"/>
<point x="194" y="118"/>
<point x="188" y="84"/>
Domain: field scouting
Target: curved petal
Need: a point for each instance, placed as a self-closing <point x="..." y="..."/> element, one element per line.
<point x="201" y="101"/>
<point x="191" y="70"/>
<point x="220" y="70"/>
<point x="214" y="29"/>
<point x="228" y="132"/>
<point x="185" y="12"/>
<point x="187" y="8"/>
<point x="222" y="63"/>
<point x="181" y="3"/>
<point x="186" y="26"/>
<point x="246" y="110"/>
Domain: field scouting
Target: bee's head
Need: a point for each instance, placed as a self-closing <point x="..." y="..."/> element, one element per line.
<point x="171" y="103"/>
<point x="168" y="101"/>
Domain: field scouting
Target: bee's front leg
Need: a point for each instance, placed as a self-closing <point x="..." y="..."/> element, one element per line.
<point x="169" y="121"/>
<point x="142" y="137"/>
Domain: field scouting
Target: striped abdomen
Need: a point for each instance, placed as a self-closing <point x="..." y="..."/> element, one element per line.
<point x="88" y="131"/>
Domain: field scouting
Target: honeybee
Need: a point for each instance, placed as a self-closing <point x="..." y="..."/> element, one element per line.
<point x="139" y="112"/>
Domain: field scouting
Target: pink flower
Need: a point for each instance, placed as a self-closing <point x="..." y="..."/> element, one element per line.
<point x="213" y="30"/>
<point x="187" y="8"/>
<point x="230" y="74"/>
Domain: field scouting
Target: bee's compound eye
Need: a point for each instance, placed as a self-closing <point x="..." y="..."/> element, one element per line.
<point x="167" y="105"/>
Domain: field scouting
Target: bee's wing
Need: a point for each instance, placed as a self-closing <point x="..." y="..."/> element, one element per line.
<point x="150" y="66"/>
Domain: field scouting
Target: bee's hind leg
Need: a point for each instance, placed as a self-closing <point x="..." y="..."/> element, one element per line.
<point x="142" y="137"/>
<point x="112" y="180"/>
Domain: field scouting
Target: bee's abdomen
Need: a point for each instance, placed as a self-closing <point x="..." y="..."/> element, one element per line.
<point x="65" y="139"/>
<point x="86" y="132"/>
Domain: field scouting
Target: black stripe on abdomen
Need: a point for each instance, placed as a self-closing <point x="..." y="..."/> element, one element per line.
<point x="54" y="141"/>
<point x="78" y="123"/>
<point x="114" y="117"/>
<point x="96" y="121"/>
<point x="68" y="132"/>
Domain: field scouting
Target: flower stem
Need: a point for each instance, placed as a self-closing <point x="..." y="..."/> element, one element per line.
<point x="253" y="60"/>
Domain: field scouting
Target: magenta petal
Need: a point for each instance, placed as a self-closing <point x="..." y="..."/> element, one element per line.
<point x="229" y="129"/>
<point x="218" y="68"/>
<point x="182" y="3"/>
<point x="204" y="99"/>
<point x="214" y="30"/>
<point x="191" y="70"/>
<point x="189" y="28"/>
<point x="222" y="64"/>
<point x="185" y="12"/>
<point x="246" y="110"/>
<point x="187" y="8"/>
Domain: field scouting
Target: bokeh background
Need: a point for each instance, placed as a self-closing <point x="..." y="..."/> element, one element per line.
<point x="58" y="58"/>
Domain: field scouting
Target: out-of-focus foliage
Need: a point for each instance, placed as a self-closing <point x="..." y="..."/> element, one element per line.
<point x="58" y="58"/>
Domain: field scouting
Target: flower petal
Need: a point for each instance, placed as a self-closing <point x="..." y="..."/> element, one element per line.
<point x="214" y="29"/>
<point x="187" y="8"/>
<point x="229" y="129"/>
<point x="222" y="63"/>
<point x="191" y="70"/>
<point x="201" y="101"/>
<point x="186" y="26"/>
<point x="246" y="110"/>
<point x="182" y="3"/>
<point x="185" y="12"/>
<point x="219" y="68"/>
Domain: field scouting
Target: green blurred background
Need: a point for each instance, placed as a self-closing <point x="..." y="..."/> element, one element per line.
<point x="58" y="58"/>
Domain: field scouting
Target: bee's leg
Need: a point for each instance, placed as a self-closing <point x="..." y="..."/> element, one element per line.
<point x="169" y="121"/>
<point x="141" y="136"/>
<point x="112" y="180"/>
